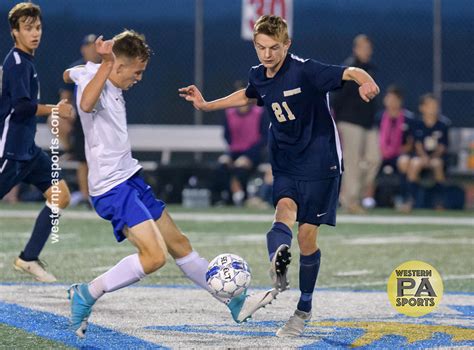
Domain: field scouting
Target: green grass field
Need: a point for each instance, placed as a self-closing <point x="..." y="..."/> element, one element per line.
<point x="354" y="256"/>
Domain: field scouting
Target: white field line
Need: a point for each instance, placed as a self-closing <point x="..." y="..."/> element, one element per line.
<point x="206" y="217"/>
<point x="371" y="240"/>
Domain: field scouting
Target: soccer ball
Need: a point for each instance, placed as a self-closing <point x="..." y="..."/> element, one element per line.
<point x="228" y="275"/>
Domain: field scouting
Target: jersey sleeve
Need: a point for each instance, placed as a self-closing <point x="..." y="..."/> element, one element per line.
<point x="251" y="92"/>
<point x="79" y="75"/>
<point x="19" y="81"/>
<point x="324" y="77"/>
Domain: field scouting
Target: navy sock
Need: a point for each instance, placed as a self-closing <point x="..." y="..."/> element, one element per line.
<point x="404" y="186"/>
<point x="438" y="190"/>
<point x="278" y="235"/>
<point x="39" y="236"/>
<point x="413" y="190"/>
<point x="309" y="268"/>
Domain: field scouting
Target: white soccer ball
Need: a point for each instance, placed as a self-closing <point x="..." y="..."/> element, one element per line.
<point x="228" y="275"/>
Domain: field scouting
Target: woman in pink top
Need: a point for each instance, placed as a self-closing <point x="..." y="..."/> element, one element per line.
<point x="396" y="136"/>
<point x="245" y="131"/>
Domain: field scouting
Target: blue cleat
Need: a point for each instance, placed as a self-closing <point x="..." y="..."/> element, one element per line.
<point x="242" y="307"/>
<point x="81" y="307"/>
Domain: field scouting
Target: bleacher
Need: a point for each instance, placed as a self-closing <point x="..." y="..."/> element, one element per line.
<point x="164" y="140"/>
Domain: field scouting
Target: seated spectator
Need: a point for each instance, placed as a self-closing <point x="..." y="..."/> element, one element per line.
<point x="245" y="131"/>
<point x="431" y="142"/>
<point x="396" y="137"/>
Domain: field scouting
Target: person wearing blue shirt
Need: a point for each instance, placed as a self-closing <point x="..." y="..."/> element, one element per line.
<point x="305" y="151"/>
<point x="20" y="159"/>
<point x="431" y="144"/>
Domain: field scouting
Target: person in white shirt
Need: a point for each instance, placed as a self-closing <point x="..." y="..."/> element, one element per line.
<point x="118" y="191"/>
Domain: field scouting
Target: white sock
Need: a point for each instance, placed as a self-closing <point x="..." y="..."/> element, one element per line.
<point x="195" y="268"/>
<point x="128" y="271"/>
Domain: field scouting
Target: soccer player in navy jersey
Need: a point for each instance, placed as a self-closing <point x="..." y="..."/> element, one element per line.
<point x="20" y="159"/>
<point x="305" y="151"/>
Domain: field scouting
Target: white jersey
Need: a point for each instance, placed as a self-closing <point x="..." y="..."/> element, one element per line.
<point x="107" y="146"/>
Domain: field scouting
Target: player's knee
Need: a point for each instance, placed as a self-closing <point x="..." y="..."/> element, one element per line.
<point x="153" y="262"/>
<point x="64" y="200"/>
<point x="64" y="195"/>
<point x="286" y="205"/>
<point x="286" y="209"/>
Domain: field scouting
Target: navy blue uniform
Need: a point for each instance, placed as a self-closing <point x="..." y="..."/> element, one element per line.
<point x="305" y="150"/>
<point x="20" y="158"/>
<point x="431" y="137"/>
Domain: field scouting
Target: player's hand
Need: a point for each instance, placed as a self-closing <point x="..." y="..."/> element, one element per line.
<point x="368" y="91"/>
<point x="192" y="94"/>
<point x="104" y="49"/>
<point x="66" y="110"/>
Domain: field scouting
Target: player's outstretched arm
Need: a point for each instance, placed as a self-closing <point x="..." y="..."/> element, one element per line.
<point x="192" y="94"/>
<point x="92" y="91"/>
<point x="368" y="88"/>
<point x="65" y="110"/>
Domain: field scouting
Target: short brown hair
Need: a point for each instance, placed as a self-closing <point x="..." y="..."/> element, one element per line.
<point x="428" y="96"/>
<point x="23" y="9"/>
<point x="273" y="26"/>
<point x="395" y="90"/>
<point x="132" y="45"/>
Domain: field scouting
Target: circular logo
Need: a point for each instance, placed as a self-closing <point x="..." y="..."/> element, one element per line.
<point x="415" y="288"/>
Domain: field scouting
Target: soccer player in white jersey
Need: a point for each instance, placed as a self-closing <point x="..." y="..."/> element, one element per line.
<point x="118" y="191"/>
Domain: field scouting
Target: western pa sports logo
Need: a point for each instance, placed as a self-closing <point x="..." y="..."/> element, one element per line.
<point x="415" y="288"/>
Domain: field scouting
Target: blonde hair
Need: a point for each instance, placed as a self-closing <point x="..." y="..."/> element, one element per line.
<point x="273" y="26"/>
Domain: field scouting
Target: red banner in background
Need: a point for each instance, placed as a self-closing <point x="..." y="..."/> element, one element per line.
<point x="253" y="9"/>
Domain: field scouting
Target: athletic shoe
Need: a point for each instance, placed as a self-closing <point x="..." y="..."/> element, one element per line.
<point x="279" y="268"/>
<point x="294" y="327"/>
<point x="242" y="307"/>
<point x="35" y="268"/>
<point x="81" y="307"/>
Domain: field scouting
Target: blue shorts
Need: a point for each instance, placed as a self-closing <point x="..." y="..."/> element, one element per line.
<point x="128" y="204"/>
<point x="36" y="171"/>
<point x="317" y="200"/>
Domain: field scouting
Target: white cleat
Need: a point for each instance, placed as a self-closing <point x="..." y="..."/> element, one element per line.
<point x="244" y="306"/>
<point x="279" y="268"/>
<point x="294" y="327"/>
<point x="35" y="268"/>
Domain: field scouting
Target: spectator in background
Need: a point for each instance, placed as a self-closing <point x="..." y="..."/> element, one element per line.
<point x="245" y="132"/>
<point x="72" y="136"/>
<point x="431" y="142"/>
<point x="396" y="137"/>
<point x="356" y="124"/>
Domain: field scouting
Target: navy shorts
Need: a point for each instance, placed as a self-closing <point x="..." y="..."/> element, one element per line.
<point x="36" y="171"/>
<point x="128" y="204"/>
<point x="317" y="200"/>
